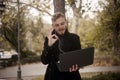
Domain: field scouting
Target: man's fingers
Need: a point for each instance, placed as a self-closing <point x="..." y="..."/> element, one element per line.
<point x="76" y="67"/>
<point x="54" y="36"/>
<point x="49" y="33"/>
<point x="70" y="69"/>
<point x="73" y="68"/>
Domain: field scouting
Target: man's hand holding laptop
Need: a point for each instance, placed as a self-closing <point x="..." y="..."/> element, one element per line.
<point x="73" y="68"/>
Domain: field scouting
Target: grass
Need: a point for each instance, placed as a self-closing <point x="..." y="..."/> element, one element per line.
<point x="39" y="78"/>
<point x="107" y="76"/>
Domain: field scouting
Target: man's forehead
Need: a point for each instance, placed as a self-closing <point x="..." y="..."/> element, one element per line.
<point x="59" y="20"/>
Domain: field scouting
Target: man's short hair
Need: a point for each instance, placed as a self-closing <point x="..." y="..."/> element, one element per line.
<point x="57" y="15"/>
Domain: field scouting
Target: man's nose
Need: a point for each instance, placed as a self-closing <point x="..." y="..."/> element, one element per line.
<point x="60" y="25"/>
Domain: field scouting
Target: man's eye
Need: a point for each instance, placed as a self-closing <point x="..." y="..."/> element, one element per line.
<point x="56" y="25"/>
<point x="62" y="23"/>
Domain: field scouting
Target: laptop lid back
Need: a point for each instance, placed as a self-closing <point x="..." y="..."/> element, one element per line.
<point x="82" y="58"/>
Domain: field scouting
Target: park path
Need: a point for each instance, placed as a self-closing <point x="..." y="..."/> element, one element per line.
<point x="37" y="69"/>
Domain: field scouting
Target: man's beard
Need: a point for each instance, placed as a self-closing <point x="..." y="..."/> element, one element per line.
<point x="62" y="31"/>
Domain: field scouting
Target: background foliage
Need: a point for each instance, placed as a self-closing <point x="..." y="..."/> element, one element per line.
<point x="102" y="31"/>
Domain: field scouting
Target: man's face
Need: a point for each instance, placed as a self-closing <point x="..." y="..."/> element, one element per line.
<point x="60" y="25"/>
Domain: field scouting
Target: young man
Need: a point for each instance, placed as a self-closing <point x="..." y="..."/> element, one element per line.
<point x="68" y="42"/>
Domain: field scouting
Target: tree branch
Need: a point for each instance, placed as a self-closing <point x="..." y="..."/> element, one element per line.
<point x="37" y="8"/>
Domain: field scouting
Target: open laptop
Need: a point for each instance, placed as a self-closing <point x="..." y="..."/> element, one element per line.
<point x="81" y="57"/>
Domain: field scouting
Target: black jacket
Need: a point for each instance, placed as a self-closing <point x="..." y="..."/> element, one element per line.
<point x="70" y="42"/>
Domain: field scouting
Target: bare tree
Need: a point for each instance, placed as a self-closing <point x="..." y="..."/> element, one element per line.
<point x="78" y="11"/>
<point x="116" y="27"/>
<point x="59" y="6"/>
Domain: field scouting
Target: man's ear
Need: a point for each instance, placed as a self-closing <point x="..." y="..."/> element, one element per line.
<point x="66" y="23"/>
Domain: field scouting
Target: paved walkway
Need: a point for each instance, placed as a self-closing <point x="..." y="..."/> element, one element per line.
<point x="37" y="69"/>
<point x="27" y="70"/>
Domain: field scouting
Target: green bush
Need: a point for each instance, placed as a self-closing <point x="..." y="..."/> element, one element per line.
<point x="30" y="59"/>
<point x="116" y="60"/>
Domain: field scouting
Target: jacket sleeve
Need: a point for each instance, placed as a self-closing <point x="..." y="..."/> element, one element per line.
<point x="47" y="53"/>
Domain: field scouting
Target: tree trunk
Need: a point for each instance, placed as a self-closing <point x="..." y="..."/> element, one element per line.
<point x="77" y="15"/>
<point x="115" y="38"/>
<point x="116" y="30"/>
<point x="59" y="6"/>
